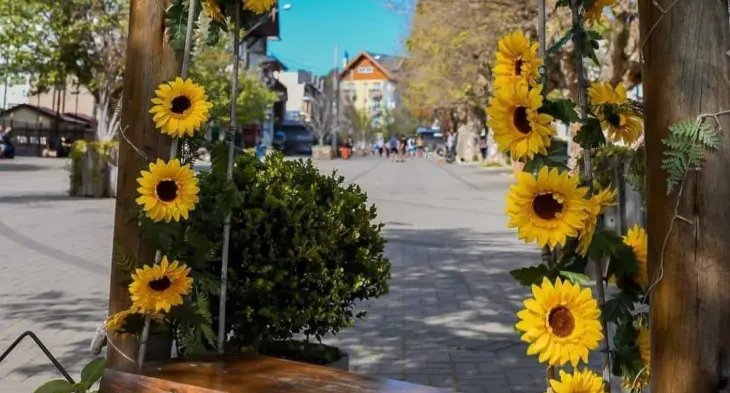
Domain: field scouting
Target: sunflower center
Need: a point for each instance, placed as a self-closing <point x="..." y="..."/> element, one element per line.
<point x="180" y="104"/>
<point x="614" y="119"/>
<point x="518" y="67"/>
<point x="166" y="190"/>
<point x="561" y="321"/>
<point x="519" y="118"/>
<point x="546" y="207"/>
<point x="160" y="284"/>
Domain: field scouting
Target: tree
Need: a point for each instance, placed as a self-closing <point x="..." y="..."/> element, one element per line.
<point x="59" y="41"/>
<point x="685" y="75"/>
<point x="212" y="68"/>
<point x="324" y="120"/>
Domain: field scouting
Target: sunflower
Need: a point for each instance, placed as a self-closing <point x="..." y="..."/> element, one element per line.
<point x="547" y="208"/>
<point x="213" y="10"/>
<point x="620" y="122"/>
<point x="258" y="6"/>
<point x="158" y="288"/>
<point x="595" y="207"/>
<point x="595" y="12"/>
<point x="517" y="125"/>
<point x="585" y="381"/>
<point x="643" y="342"/>
<point x="168" y="191"/>
<point x="636" y="238"/>
<point x="181" y="107"/>
<point x="516" y="61"/>
<point x="116" y="322"/>
<point x="560" y="323"/>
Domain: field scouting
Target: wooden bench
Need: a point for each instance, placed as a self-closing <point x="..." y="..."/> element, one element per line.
<point x="250" y="374"/>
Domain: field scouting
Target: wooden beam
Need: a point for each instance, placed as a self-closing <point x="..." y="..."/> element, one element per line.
<point x="685" y="74"/>
<point x="149" y="62"/>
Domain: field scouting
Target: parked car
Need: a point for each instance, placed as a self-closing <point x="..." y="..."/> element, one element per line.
<point x="7" y="150"/>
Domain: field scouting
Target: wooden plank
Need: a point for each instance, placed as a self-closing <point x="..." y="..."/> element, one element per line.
<point x="149" y="62"/>
<point x="251" y="374"/>
<point x="686" y="74"/>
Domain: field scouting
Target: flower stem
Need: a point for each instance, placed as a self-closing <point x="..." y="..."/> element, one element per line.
<point x="143" y="343"/>
<point x="549" y="375"/>
<point x="229" y="175"/>
<point x="578" y="36"/>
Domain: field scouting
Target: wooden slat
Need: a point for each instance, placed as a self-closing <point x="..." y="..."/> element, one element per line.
<point x="251" y="374"/>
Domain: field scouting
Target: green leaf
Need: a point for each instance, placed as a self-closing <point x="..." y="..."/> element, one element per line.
<point x="123" y="260"/>
<point x="219" y="159"/>
<point x="568" y="35"/>
<point x="590" y="134"/>
<point x="92" y="372"/>
<point x="576" y="278"/>
<point x="561" y="109"/>
<point x="623" y="260"/>
<point x="56" y="386"/>
<point x="532" y="275"/>
<point x="590" y="45"/>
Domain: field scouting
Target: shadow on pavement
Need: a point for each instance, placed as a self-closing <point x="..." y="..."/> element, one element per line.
<point x="33" y="198"/>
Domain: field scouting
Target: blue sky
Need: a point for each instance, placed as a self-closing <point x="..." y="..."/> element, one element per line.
<point x="311" y="29"/>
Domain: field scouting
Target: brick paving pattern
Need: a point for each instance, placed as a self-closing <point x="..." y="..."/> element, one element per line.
<point x="447" y="321"/>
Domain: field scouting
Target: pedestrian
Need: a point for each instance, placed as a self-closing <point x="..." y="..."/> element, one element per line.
<point x="393" y="148"/>
<point x="403" y="143"/>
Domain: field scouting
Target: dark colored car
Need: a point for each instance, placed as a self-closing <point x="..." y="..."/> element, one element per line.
<point x="293" y="138"/>
<point x="7" y="150"/>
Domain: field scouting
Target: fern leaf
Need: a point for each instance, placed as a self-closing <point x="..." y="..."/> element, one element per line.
<point x="123" y="260"/>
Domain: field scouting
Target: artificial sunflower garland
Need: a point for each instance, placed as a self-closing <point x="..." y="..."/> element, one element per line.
<point x="611" y="106"/>
<point x="181" y="107"/>
<point x="516" y="61"/>
<point x="516" y="122"/>
<point x="561" y="323"/>
<point x="258" y="6"/>
<point x="548" y="208"/>
<point x="637" y="239"/>
<point x="159" y="287"/>
<point x="213" y="10"/>
<point x="580" y="381"/>
<point x="168" y="191"/>
<point x="596" y="206"/>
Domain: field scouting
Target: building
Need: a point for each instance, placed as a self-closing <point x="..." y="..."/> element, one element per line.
<point x="369" y="84"/>
<point x="302" y="87"/>
<point x="32" y="128"/>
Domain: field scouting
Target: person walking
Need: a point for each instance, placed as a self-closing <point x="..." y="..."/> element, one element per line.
<point x="393" y="148"/>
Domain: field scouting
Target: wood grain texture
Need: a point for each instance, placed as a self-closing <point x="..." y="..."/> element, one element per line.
<point x="251" y="374"/>
<point x="149" y="62"/>
<point x="686" y="74"/>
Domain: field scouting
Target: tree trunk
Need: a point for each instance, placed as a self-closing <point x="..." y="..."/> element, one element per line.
<point x="149" y="62"/>
<point x="102" y="118"/>
<point x="686" y="74"/>
<point x="468" y="138"/>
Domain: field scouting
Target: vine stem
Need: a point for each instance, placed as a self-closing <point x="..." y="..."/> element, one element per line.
<point x="143" y="343"/>
<point x="229" y="175"/>
<point x="588" y="167"/>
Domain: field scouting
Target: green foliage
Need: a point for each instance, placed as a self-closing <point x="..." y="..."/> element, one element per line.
<point x="90" y="375"/>
<point x="193" y="325"/>
<point x="623" y="260"/>
<point x="304" y="249"/>
<point x="686" y="144"/>
<point x="561" y="109"/>
<point x="637" y="171"/>
<point x="533" y="275"/>
<point x="606" y="160"/>
<point x="301" y="351"/>
<point x="56" y="40"/>
<point x="123" y="260"/>
<point x="562" y="41"/>
<point x="211" y="68"/>
<point x="590" y="135"/>
<point x="591" y="45"/>
<point x="557" y="157"/>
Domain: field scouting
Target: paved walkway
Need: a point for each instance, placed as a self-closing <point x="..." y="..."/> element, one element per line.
<point x="448" y="320"/>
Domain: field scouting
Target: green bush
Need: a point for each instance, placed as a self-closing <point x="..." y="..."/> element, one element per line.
<point x="304" y="249"/>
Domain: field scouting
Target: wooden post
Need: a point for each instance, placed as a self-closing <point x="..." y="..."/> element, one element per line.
<point x="149" y="62"/>
<point x="686" y="73"/>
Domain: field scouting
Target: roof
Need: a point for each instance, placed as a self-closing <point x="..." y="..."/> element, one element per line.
<point x="49" y="113"/>
<point x="388" y="64"/>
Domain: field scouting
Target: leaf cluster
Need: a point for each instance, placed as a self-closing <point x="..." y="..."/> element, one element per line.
<point x="90" y="375"/>
<point x="686" y="144"/>
<point x="304" y="249"/>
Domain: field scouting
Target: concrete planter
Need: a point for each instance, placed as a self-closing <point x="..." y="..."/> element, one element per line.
<point x="322" y="153"/>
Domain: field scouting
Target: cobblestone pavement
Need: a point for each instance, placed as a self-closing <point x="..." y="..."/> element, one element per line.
<point x="447" y="321"/>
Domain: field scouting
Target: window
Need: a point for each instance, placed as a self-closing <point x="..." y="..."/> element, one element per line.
<point x="365" y="70"/>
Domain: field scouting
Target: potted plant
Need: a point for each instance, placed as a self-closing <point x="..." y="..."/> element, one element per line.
<point x="304" y="250"/>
